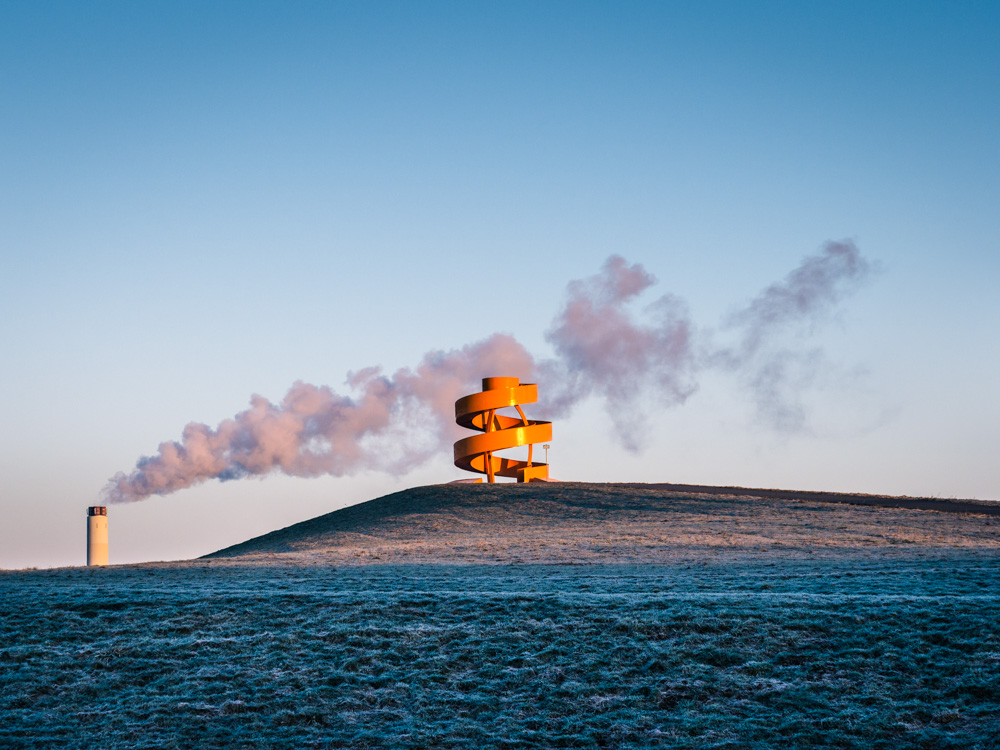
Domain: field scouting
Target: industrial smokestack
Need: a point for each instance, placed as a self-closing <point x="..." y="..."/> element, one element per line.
<point x="97" y="535"/>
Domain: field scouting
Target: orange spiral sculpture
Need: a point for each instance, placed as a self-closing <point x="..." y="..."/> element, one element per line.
<point x="478" y="411"/>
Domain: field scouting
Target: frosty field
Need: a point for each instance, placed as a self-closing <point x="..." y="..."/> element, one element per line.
<point x="850" y="644"/>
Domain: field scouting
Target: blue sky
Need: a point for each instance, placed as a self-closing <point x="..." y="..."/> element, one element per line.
<point x="201" y="201"/>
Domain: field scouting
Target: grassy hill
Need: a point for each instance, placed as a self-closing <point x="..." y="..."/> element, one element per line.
<point x="590" y="523"/>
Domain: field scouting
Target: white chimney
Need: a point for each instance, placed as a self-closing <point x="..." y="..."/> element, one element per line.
<point x="97" y="535"/>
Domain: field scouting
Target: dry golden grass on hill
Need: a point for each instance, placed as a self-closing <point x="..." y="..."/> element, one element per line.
<point x="563" y="523"/>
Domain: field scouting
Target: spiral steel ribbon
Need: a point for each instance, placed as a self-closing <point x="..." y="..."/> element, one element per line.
<point x="478" y="411"/>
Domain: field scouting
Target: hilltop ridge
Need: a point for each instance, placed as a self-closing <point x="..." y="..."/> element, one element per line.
<point x="574" y="522"/>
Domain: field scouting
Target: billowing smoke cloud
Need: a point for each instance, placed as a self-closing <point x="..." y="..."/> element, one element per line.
<point x="769" y="356"/>
<point x="808" y="292"/>
<point x="389" y="423"/>
<point x="602" y="349"/>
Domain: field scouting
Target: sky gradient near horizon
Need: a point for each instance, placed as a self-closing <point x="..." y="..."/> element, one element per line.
<point x="204" y="201"/>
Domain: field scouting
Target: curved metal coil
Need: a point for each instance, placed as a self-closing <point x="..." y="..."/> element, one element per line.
<point x="478" y="411"/>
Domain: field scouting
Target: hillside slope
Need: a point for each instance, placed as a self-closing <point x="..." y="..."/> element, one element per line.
<point x="618" y="523"/>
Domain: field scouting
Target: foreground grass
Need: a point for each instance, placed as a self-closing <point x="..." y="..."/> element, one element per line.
<point x="848" y="653"/>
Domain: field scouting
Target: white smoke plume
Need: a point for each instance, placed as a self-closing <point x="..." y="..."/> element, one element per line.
<point x="768" y="355"/>
<point x="602" y="349"/>
<point x="315" y="431"/>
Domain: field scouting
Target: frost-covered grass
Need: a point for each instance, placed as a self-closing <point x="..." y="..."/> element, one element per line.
<point x="854" y="652"/>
